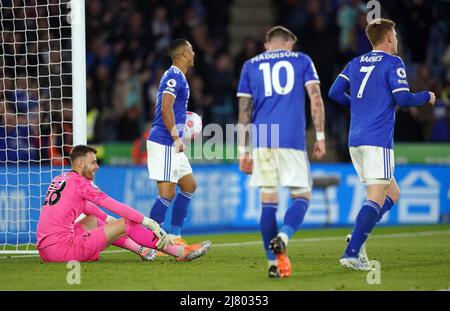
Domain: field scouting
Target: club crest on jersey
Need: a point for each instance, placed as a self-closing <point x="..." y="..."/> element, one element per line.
<point x="171" y="83"/>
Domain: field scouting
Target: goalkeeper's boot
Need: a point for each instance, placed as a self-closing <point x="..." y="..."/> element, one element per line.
<point x="194" y="251"/>
<point x="354" y="263"/>
<point x="147" y="254"/>
<point x="283" y="263"/>
<point x="176" y="240"/>
<point x="273" y="271"/>
<point x="362" y="251"/>
<point x="160" y="254"/>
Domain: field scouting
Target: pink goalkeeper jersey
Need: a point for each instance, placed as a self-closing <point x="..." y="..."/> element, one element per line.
<point x="66" y="200"/>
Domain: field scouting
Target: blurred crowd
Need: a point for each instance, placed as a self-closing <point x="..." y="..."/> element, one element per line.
<point x="126" y="44"/>
<point x="35" y="81"/>
<point x="127" y="54"/>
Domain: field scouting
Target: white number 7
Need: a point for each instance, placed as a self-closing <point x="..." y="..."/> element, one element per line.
<point x="368" y="71"/>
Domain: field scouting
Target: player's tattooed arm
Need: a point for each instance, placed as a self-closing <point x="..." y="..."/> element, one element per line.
<point x="245" y="118"/>
<point x="318" y="116"/>
<point x="317" y="107"/>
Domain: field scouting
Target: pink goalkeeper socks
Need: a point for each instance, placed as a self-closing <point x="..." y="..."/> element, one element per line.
<point x="147" y="238"/>
<point x="140" y="234"/>
<point x="123" y="242"/>
<point x="127" y="243"/>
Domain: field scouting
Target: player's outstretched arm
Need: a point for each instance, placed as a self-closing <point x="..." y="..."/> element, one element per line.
<point x="245" y="117"/>
<point x="338" y="91"/>
<point x="91" y="209"/>
<point x="318" y="117"/>
<point x="129" y="213"/>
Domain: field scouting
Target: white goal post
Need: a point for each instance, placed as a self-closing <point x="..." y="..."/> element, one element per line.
<point x="42" y="108"/>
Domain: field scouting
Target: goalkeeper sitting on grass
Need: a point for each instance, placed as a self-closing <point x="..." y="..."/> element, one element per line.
<point x="61" y="239"/>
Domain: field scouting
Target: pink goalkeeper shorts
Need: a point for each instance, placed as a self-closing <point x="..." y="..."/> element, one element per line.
<point x="82" y="246"/>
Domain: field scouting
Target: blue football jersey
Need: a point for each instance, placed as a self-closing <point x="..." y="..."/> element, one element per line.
<point x="276" y="81"/>
<point x="173" y="82"/>
<point x="374" y="78"/>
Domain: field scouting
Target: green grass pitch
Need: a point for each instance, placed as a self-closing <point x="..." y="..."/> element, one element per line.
<point x="411" y="258"/>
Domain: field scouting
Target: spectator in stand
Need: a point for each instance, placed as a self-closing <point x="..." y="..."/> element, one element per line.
<point x="139" y="147"/>
<point x="250" y="47"/>
<point x="221" y="85"/>
<point x="199" y="101"/>
<point x="440" y="131"/>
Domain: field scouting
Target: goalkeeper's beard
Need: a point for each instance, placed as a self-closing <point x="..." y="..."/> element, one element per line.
<point x="88" y="174"/>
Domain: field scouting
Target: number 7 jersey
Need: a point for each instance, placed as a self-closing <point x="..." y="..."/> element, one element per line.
<point x="374" y="79"/>
<point x="276" y="81"/>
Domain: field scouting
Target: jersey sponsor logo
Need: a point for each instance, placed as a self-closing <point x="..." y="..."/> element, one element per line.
<point x="170" y="89"/>
<point x="399" y="81"/>
<point x="371" y="59"/>
<point x="171" y="83"/>
<point x="401" y="72"/>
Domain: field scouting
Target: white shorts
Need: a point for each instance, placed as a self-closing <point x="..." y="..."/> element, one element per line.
<point x="374" y="165"/>
<point x="164" y="164"/>
<point x="273" y="167"/>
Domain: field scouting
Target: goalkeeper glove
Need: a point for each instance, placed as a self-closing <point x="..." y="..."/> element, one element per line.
<point x="109" y="219"/>
<point x="163" y="237"/>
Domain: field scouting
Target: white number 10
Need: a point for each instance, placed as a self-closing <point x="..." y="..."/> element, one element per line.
<point x="272" y="79"/>
<point x="368" y="71"/>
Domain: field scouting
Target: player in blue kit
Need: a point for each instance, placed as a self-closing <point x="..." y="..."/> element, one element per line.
<point x="377" y="82"/>
<point x="167" y="163"/>
<point x="272" y="102"/>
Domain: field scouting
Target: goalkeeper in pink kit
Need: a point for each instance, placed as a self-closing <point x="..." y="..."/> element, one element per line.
<point x="60" y="238"/>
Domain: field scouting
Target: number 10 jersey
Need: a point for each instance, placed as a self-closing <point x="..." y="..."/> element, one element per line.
<point x="276" y="82"/>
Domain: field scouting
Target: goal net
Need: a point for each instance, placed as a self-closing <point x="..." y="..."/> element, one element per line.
<point x="36" y="112"/>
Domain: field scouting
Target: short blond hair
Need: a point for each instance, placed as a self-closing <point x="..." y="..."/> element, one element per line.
<point x="280" y="32"/>
<point x="377" y="29"/>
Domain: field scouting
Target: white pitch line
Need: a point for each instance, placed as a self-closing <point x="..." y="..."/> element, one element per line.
<point x="341" y="238"/>
<point x="305" y="240"/>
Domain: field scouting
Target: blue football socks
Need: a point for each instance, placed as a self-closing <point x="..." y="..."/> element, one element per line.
<point x="268" y="226"/>
<point x="159" y="209"/>
<point x="179" y="212"/>
<point x="294" y="216"/>
<point x="388" y="203"/>
<point x="365" y="221"/>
